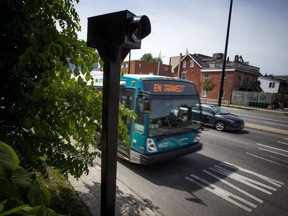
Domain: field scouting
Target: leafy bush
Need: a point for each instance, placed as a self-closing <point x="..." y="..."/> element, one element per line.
<point x="19" y="193"/>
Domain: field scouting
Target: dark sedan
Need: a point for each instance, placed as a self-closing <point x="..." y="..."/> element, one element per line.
<point x="220" y="118"/>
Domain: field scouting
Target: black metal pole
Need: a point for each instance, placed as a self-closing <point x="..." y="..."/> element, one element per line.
<point x="225" y="56"/>
<point x="110" y="111"/>
<point x="129" y="62"/>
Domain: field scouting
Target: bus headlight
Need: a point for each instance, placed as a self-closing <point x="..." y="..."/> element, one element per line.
<point x="150" y="145"/>
<point x="196" y="139"/>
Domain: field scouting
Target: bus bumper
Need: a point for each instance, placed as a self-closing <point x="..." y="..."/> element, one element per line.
<point x="164" y="156"/>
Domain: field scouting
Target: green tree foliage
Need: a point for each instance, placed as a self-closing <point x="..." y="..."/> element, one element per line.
<point x="149" y="58"/>
<point x="208" y="85"/>
<point x="47" y="110"/>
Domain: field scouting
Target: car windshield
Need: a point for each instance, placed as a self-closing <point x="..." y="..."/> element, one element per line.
<point x="174" y="115"/>
<point x="220" y="110"/>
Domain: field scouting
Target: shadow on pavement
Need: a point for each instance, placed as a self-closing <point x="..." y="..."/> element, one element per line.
<point x="126" y="203"/>
<point x="173" y="173"/>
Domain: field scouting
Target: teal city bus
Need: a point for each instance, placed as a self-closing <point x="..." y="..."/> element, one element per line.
<point x="168" y="119"/>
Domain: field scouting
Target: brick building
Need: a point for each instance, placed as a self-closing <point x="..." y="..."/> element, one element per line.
<point x="239" y="75"/>
<point x="143" y="67"/>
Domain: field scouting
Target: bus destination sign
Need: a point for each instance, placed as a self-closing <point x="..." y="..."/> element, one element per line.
<point x="168" y="87"/>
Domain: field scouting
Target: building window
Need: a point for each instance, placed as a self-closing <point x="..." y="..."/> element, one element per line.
<point x="206" y="76"/>
<point x="212" y="65"/>
<point x="223" y="93"/>
<point x="166" y="69"/>
<point x="183" y="76"/>
<point x="191" y="63"/>
<point x="272" y="85"/>
<point x="184" y="64"/>
<point x="126" y="65"/>
<point x="224" y="76"/>
<point x="140" y="65"/>
<point x="204" y="93"/>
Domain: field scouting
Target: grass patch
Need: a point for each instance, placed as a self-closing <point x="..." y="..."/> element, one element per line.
<point x="64" y="199"/>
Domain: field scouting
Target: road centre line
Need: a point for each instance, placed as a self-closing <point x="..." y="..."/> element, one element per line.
<point x="233" y="186"/>
<point x="270" y="180"/>
<point x="220" y="192"/>
<point x="272" y="147"/>
<point x="263" y="149"/>
<point x="257" y="156"/>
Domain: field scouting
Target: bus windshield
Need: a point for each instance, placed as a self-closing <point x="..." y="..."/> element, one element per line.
<point x="172" y="115"/>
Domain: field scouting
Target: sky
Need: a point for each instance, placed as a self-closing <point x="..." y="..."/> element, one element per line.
<point x="258" y="28"/>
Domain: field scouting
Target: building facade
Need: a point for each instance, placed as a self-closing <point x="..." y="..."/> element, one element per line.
<point x="274" y="84"/>
<point x="143" y="67"/>
<point x="239" y="75"/>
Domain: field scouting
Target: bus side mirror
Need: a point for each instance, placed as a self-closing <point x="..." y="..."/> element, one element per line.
<point x="146" y="104"/>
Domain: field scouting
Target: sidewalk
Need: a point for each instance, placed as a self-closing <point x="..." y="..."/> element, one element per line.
<point x="127" y="203"/>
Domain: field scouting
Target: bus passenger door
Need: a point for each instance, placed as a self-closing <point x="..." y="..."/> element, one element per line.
<point x="139" y="132"/>
<point x="126" y="98"/>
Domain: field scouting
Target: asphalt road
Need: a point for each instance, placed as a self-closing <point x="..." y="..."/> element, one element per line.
<point x="242" y="173"/>
<point x="269" y="118"/>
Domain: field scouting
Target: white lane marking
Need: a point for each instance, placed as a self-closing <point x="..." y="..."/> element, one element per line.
<point x="220" y="192"/>
<point x="230" y="197"/>
<point x="273" y="152"/>
<point x="257" y="156"/>
<point x="262" y="118"/>
<point x="278" y="149"/>
<point x="233" y="186"/>
<point x="265" y="178"/>
<point x="244" y="180"/>
<point x="271" y="123"/>
<point x="278" y="159"/>
<point x="282" y="143"/>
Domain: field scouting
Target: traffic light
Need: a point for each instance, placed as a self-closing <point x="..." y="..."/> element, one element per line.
<point x="114" y="34"/>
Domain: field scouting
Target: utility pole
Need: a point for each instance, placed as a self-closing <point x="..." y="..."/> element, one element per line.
<point x="225" y="56"/>
<point x="129" y="62"/>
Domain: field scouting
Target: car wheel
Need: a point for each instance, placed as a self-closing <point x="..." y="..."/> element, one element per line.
<point x="219" y="125"/>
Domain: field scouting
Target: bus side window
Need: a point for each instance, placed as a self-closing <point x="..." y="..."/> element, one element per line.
<point x="139" y="121"/>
